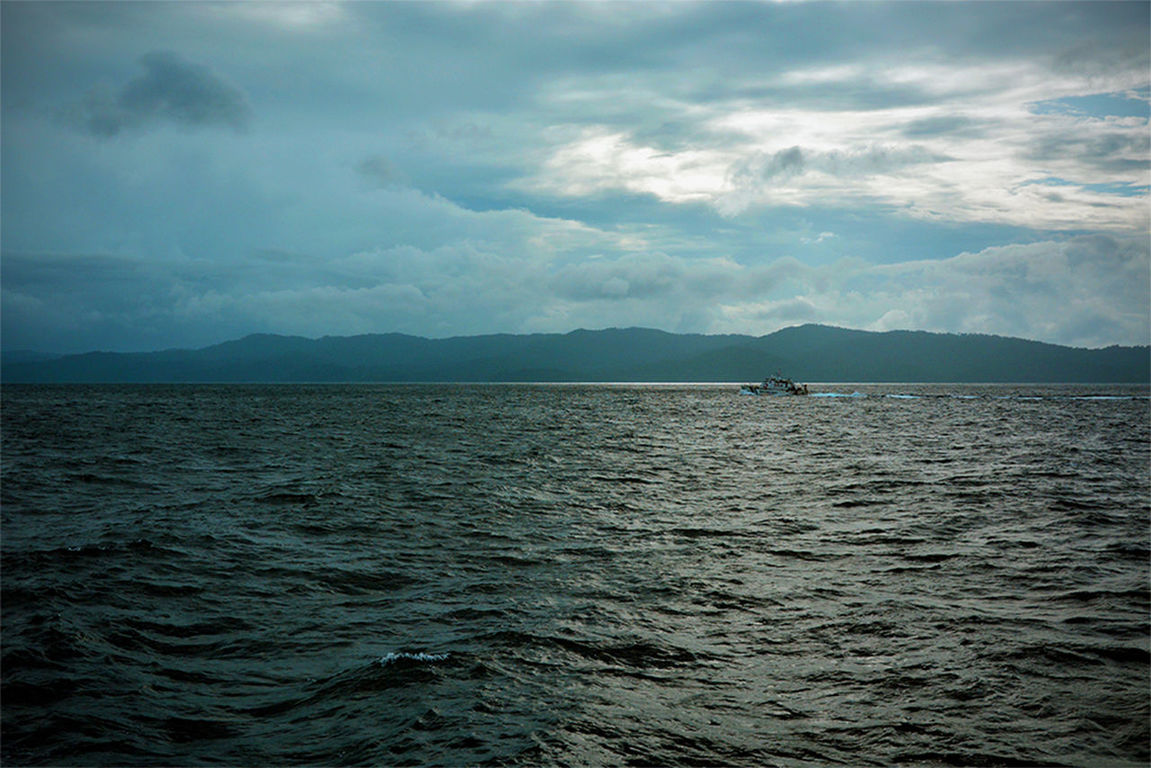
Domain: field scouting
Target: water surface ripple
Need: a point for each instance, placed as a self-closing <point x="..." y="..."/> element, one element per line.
<point x="575" y="576"/>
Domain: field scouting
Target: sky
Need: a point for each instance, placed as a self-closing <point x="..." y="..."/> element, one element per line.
<point x="177" y="174"/>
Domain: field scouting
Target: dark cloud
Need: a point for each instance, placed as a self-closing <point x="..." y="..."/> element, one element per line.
<point x="66" y="272"/>
<point x="877" y="159"/>
<point x="781" y="165"/>
<point x="1110" y="152"/>
<point x="861" y="161"/>
<point x="785" y="162"/>
<point x="938" y="126"/>
<point x="76" y="302"/>
<point x="170" y="90"/>
<point x="1099" y="57"/>
<point x="861" y="93"/>
<point x="380" y="171"/>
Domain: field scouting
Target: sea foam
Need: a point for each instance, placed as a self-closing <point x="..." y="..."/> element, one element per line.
<point x="391" y="658"/>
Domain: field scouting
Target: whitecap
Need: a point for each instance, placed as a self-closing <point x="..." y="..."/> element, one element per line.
<point x="1103" y="397"/>
<point x="391" y="658"/>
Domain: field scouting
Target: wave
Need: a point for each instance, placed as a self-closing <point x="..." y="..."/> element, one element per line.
<point x="576" y="576"/>
<point x="418" y="658"/>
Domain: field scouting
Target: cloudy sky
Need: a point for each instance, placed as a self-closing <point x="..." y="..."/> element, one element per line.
<point x="179" y="174"/>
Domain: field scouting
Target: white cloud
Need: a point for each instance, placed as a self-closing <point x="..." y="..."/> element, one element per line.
<point x="600" y="160"/>
<point x="1086" y="291"/>
<point x="744" y="156"/>
<point x="821" y="237"/>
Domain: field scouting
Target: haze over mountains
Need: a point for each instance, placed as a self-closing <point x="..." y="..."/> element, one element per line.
<point x="806" y="353"/>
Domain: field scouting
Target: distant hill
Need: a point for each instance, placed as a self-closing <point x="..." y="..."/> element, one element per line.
<point x="805" y="353"/>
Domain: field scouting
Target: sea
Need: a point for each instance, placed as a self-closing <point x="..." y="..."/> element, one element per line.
<point x="575" y="575"/>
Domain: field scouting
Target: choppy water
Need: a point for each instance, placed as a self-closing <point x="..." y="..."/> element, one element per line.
<point x="575" y="575"/>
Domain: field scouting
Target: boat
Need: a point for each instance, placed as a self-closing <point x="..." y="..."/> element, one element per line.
<point x="774" y="385"/>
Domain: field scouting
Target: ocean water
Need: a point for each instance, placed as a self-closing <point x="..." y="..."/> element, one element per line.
<point x="459" y="575"/>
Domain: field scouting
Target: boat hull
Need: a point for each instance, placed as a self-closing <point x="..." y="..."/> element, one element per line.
<point x="774" y="386"/>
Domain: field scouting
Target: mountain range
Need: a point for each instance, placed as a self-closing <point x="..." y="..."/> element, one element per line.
<point x="810" y="353"/>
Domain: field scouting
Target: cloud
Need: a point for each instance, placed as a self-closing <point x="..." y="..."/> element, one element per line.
<point x="806" y="133"/>
<point x="600" y="160"/>
<point x="641" y="276"/>
<point x="1083" y="291"/>
<point x="22" y="271"/>
<point x="454" y="168"/>
<point x="747" y="164"/>
<point x="297" y="17"/>
<point x="938" y="125"/>
<point x="782" y="312"/>
<point x="79" y="302"/>
<point x="821" y="237"/>
<point x="761" y="168"/>
<point x="1110" y="147"/>
<point x="756" y="178"/>
<point x="1080" y="291"/>
<point x="380" y="171"/>
<point x="171" y="90"/>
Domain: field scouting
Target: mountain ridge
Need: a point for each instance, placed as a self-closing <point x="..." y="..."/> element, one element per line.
<point x="806" y="352"/>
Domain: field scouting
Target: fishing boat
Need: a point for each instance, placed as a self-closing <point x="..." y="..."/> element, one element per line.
<point x="774" y="385"/>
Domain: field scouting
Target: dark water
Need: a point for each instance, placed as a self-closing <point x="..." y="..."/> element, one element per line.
<point x="575" y="575"/>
